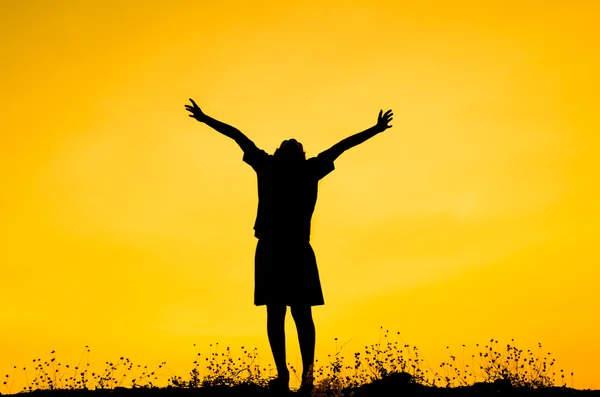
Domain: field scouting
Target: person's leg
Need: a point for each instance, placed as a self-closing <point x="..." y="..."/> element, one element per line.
<point x="306" y="336"/>
<point x="276" y="333"/>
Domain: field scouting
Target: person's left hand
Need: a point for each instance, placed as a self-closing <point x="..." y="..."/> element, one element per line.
<point x="384" y="120"/>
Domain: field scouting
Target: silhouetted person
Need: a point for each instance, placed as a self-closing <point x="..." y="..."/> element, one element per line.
<point x="285" y="271"/>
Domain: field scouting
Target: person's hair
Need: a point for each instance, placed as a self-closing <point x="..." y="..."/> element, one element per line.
<point x="289" y="152"/>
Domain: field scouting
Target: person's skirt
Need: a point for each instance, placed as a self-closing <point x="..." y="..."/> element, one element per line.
<point x="285" y="273"/>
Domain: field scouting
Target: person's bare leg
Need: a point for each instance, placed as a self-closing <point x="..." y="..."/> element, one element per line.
<point x="307" y="337"/>
<point x="276" y="333"/>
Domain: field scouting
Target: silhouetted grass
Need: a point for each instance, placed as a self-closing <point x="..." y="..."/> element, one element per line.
<point x="385" y="368"/>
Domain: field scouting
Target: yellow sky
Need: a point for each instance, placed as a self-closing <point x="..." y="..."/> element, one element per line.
<point x="127" y="226"/>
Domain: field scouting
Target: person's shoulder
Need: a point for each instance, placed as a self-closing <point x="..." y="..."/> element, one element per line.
<point x="323" y="157"/>
<point x="311" y="162"/>
<point x="256" y="157"/>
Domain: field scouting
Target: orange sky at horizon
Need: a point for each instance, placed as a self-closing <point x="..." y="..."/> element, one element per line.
<point x="127" y="226"/>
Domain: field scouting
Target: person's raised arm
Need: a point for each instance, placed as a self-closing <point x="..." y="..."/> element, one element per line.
<point x="242" y="140"/>
<point x="356" y="139"/>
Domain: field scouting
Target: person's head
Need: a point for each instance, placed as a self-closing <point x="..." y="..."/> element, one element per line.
<point x="290" y="151"/>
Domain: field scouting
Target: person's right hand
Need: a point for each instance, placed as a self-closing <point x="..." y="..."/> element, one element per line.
<point x="196" y="111"/>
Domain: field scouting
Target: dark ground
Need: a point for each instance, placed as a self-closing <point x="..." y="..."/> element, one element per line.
<point x="375" y="389"/>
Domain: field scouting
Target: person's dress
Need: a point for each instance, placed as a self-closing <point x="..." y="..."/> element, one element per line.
<point x="285" y="268"/>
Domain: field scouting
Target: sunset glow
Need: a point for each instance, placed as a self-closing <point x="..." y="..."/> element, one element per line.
<point x="125" y="225"/>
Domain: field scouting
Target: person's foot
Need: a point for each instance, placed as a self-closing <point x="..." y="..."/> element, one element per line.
<point x="305" y="389"/>
<point x="306" y="384"/>
<point x="281" y="384"/>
